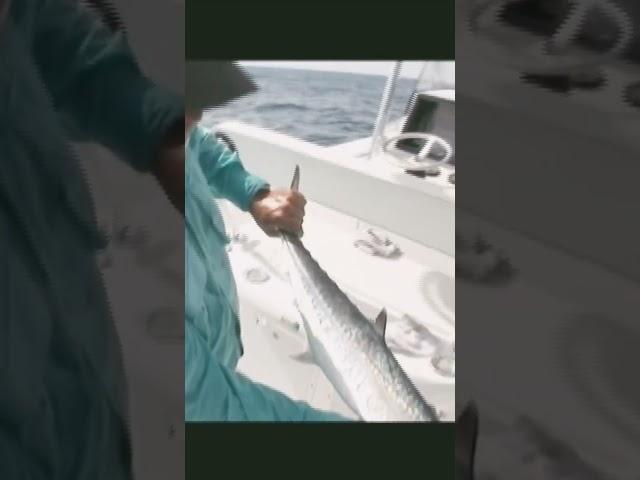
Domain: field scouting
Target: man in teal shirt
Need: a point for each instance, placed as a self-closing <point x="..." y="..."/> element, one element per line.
<point x="213" y="390"/>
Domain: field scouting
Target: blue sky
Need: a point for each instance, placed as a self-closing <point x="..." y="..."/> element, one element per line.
<point x="410" y="69"/>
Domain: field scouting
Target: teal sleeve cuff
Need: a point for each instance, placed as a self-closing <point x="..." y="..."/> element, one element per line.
<point x="253" y="185"/>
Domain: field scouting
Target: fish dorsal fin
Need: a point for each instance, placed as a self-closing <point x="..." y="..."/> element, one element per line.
<point x="380" y="323"/>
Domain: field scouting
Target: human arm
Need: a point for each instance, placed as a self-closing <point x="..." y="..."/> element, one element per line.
<point x="223" y="170"/>
<point x="272" y="209"/>
<point x="216" y="393"/>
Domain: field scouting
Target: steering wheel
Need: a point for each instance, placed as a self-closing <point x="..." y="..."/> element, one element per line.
<point x="418" y="162"/>
<point x="552" y="54"/>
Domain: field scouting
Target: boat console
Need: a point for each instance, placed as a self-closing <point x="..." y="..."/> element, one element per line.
<point x="427" y="136"/>
<point x="434" y="113"/>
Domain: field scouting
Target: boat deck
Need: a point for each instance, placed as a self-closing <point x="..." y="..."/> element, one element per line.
<point x="418" y="283"/>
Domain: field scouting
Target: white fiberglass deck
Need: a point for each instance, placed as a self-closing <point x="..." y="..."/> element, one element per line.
<point x="418" y="283"/>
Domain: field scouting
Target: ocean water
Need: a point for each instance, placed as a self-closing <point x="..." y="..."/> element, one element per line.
<point x="325" y="108"/>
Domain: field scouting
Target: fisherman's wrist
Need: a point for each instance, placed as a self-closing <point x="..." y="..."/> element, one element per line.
<point x="257" y="192"/>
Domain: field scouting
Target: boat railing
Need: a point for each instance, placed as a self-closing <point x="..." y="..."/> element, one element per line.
<point x="383" y="112"/>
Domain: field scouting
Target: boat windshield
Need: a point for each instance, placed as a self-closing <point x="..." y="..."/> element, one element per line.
<point x="437" y="75"/>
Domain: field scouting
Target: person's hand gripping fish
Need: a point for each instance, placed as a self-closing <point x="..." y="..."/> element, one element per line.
<point x="279" y="210"/>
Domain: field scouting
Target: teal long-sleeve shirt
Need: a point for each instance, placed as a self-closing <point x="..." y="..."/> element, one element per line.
<point x="63" y="402"/>
<point x="213" y="390"/>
